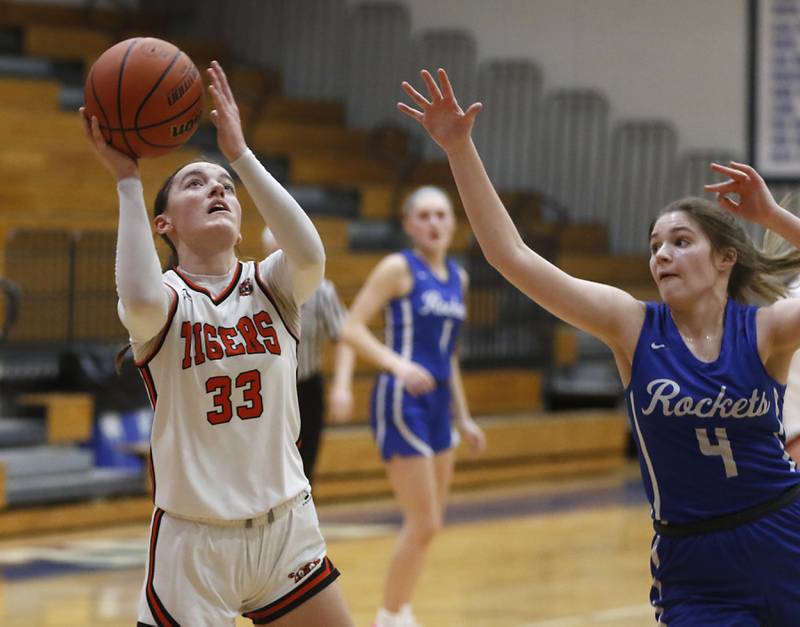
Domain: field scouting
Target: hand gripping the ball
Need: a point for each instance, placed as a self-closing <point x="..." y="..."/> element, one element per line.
<point x="119" y="164"/>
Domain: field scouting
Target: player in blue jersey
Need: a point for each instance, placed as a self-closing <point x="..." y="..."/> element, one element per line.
<point x="704" y="374"/>
<point x="421" y="291"/>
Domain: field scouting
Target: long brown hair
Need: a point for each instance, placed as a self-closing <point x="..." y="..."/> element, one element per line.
<point x="758" y="276"/>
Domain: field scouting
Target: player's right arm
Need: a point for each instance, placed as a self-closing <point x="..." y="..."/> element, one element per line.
<point x="609" y="313"/>
<point x="388" y="280"/>
<point x="144" y="300"/>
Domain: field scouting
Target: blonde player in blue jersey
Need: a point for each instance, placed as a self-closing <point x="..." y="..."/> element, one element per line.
<point x="704" y="373"/>
<point x="421" y="291"/>
<point x="234" y="530"/>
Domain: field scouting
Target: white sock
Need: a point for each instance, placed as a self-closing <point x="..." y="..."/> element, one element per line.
<point x="385" y="618"/>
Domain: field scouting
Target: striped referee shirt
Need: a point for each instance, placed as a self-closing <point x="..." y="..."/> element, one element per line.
<point x="321" y="318"/>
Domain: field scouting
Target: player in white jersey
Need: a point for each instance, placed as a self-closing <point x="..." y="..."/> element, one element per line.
<point x="703" y="372"/>
<point x="234" y="531"/>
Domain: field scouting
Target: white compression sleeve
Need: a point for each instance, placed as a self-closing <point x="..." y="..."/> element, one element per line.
<point x="143" y="300"/>
<point x="293" y="230"/>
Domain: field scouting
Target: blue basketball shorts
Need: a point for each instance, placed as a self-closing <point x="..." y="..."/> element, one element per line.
<point x="747" y="576"/>
<point x="409" y="425"/>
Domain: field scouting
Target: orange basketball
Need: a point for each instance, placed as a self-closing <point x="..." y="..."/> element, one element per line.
<point x="147" y="96"/>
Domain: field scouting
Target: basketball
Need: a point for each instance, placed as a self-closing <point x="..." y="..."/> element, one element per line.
<point x="147" y="96"/>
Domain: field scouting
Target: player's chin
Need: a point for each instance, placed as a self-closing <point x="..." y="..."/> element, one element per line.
<point x="221" y="230"/>
<point x="675" y="296"/>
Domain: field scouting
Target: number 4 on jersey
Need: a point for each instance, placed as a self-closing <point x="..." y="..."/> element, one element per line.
<point x="721" y="448"/>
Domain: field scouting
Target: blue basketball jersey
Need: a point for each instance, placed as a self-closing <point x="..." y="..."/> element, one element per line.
<point x="709" y="435"/>
<point x="423" y="326"/>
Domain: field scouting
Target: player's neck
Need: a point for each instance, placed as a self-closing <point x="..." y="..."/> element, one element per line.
<point x="217" y="264"/>
<point x="702" y="322"/>
<point x="435" y="260"/>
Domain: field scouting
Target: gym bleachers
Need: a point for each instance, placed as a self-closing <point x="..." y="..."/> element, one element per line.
<point x="325" y="123"/>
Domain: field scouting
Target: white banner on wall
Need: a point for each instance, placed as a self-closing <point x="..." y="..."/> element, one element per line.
<point x="775" y="88"/>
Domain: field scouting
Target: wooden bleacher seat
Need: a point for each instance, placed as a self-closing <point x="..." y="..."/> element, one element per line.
<point x="68" y="416"/>
<point x="65" y="43"/>
<point x="28" y="95"/>
<point x="291" y="138"/>
<point x="521" y="391"/>
<point x="520" y="447"/>
<point x="280" y="109"/>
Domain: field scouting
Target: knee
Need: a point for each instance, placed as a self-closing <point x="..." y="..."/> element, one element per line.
<point x="423" y="530"/>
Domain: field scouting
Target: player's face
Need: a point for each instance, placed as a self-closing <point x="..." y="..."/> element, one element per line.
<point x="203" y="206"/>
<point x="682" y="262"/>
<point x="430" y="223"/>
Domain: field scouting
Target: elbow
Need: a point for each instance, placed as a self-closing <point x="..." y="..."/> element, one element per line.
<point x="313" y="261"/>
<point x="505" y="258"/>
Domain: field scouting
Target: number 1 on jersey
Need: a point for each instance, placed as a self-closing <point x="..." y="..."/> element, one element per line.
<point x="721" y="448"/>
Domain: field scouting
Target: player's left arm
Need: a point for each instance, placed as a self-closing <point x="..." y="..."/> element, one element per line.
<point x="464" y="422"/>
<point x="295" y="233"/>
<point x="293" y="229"/>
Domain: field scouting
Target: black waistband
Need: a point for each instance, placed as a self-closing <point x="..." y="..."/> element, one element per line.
<point x="729" y="521"/>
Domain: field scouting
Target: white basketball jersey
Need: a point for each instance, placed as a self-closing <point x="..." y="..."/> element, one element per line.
<point x="222" y="381"/>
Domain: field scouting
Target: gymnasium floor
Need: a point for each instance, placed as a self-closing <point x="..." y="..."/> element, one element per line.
<point x="548" y="554"/>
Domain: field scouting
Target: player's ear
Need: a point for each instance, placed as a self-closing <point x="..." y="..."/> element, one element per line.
<point x="727" y="258"/>
<point x="163" y="224"/>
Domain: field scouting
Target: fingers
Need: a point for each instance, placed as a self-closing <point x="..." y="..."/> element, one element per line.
<point x="222" y="80"/>
<point x="728" y="204"/>
<point x="412" y="113"/>
<point x="724" y="187"/>
<point x="734" y="173"/>
<point x="415" y="95"/>
<point x="433" y="88"/>
<point x="474" y="109"/>
<point x="750" y="170"/>
<point x="447" y="88"/>
<point x="86" y="122"/>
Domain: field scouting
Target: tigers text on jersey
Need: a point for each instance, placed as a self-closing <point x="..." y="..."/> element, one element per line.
<point x="222" y="383"/>
<point x="709" y="435"/>
<point x="423" y="326"/>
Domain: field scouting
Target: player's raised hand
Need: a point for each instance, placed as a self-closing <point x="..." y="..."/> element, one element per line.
<point x="446" y="122"/>
<point x="225" y="114"/>
<point x="119" y="164"/>
<point x="755" y="204"/>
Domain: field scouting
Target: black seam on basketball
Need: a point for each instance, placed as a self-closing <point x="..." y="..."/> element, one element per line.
<point x="102" y="110"/>
<point x="131" y="151"/>
<point x="149" y="143"/>
<point x="164" y="121"/>
<point x="153" y="88"/>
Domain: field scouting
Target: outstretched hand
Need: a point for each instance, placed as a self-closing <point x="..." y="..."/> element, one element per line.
<point x="225" y="114"/>
<point x="755" y="204"/>
<point x="446" y="123"/>
<point x="119" y="164"/>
